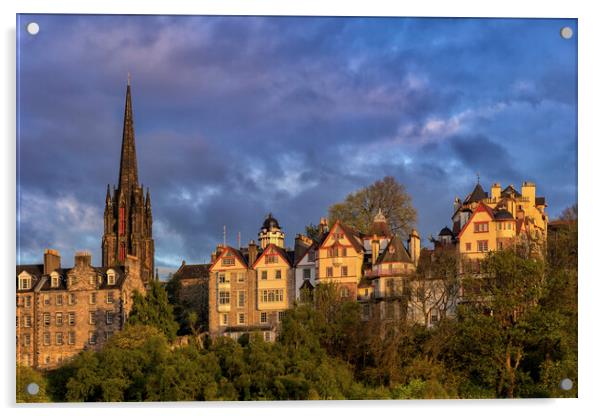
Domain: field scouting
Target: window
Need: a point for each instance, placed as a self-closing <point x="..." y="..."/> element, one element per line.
<point x="271" y="258"/>
<point x="46" y="319"/>
<point x="224" y="319"/>
<point x="312" y="255"/>
<point x="27" y="321"/>
<point x="221" y="278"/>
<point x="24" y="282"/>
<point x="54" y="279"/>
<point x="267" y="336"/>
<point x="59" y="300"/>
<point x="468" y="246"/>
<point x="434" y="316"/>
<point x="481" y="227"/>
<point x="71" y="299"/>
<point x="241" y="318"/>
<point x="121" y="220"/>
<point x="264" y="275"/>
<point x="241" y="277"/>
<point x="92" y="317"/>
<point x="92" y="336"/>
<point x="224" y="298"/>
<point x="46" y="300"/>
<point x="344" y="292"/>
<point x="344" y="252"/>
<point x="306" y="274"/>
<point x="343" y="270"/>
<point x="241" y="298"/>
<point x="111" y="277"/>
<point x="500" y="245"/>
<point x="71" y="338"/>
<point x="71" y="318"/>
<point x="59" y="338"/>
<point x="228" y="261"/>
<point x="92" y="280"/>
<point x="108" y="334"/>
<point x="109" y="317"/>
<point x="26" y="339"/>
<point x="280" y="316"/>
<point x="329" y="272"/>
<point x="59" y="318"/>
<point x="27" y="301"/>
<point x="46" y="338"/>
<point x="365" y="292"/>
<point x="272" y="295"/>
<point x="110" y="297"/>
<point x="93" y="298"/>
<point x="278" y="274"/>
<point x="482" y="245"/>
<point x="263" y="318"/>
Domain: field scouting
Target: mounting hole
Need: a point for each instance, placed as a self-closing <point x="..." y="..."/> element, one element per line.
<point x="33" y="389"/>
<point x="566" y="32"/>
<point x="33" y="28"/>
<point x="566" y="384"/>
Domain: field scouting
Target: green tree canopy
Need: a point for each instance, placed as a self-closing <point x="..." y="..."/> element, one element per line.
<point x="359" y="208"/>
<point x="154" y="309"/>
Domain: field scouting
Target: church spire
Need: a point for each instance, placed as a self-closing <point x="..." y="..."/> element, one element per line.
<point x="128" y="169"/>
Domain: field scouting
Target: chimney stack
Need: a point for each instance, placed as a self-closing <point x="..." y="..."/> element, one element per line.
<point x="414" y="246"/>
<point x="52" y="260"/>
<point x="83" y="259"/>
<point x="252" y="252"/>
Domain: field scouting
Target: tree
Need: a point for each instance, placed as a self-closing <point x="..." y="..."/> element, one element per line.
<point x="360" y="207"/>
<point x="27" y="376"/>
<point x="313" y="231"/>
<point x="569" y="214"/>
<point x="154" y="309"/>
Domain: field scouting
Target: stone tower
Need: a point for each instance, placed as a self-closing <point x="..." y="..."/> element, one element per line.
<point x="128" y="220"/>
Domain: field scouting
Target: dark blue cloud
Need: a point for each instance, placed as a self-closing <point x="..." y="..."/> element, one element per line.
<point x="239" y="116"/>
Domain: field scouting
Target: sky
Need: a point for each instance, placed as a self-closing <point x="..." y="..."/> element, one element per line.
<point x="236" y="117"/>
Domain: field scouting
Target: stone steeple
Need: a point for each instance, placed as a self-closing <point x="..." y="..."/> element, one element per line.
<point x="128" y="169"/>
<point x="128" y="217"/>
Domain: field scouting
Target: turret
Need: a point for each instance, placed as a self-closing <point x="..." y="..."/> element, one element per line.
<point x="496" y="191"/>
<point x="528" y="191"/>
<point x="414" y="246"/>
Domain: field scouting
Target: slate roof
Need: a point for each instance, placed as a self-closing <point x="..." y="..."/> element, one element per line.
<point x="510" y="191"/>
<point x="42" y="281"/>
<point x="540" y="200"/>
<point x="476" y="195"/>
<point x="503" y="214"/>
<point x="193" y="271"/>
<point x="395" y="252"/>
<point x="446" y="231"/>
<point x="353" y="236"/>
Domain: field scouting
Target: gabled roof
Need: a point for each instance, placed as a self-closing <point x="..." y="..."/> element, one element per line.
<point x="279" y="251"/>
<point x="306" y="285"/>
<point x="480" y="208"/>
<point x="395" y="252"/>
<point x="476" y="195"/>
<point x="235" y="252"/>
<point x="304" y="253"/>
<point x="352" y="235"/>
<point x="510" y="191"/>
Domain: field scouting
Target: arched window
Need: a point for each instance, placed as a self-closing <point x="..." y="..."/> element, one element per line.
<point x="110" y="277"/>
<point x="24" y="281"/>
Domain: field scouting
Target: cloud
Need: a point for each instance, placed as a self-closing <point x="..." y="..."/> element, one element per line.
<point x="236" y="117"/>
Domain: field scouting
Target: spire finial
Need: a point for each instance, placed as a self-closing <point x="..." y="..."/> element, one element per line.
<point x="478" y="178"/>
<point x="129" y="78"/>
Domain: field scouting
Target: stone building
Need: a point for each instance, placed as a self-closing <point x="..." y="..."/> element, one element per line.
<point x="193" y="290"/>
<point x="62" y="311"/>
<point x="128" y="219"/>
<point x="251" y="287"/>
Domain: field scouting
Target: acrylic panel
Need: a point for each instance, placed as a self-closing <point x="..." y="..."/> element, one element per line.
<point x="295" y="208"/>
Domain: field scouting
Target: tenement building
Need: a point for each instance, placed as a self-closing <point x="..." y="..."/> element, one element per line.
<point x="62" y="311"/>
<point x="128" y="219"/>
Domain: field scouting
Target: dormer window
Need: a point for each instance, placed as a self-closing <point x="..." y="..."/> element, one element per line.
<point x="111" y="277"/>
<point x="54" y="279"/>
<point x="92" y="280"/>
<point x="24" y="282"/>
